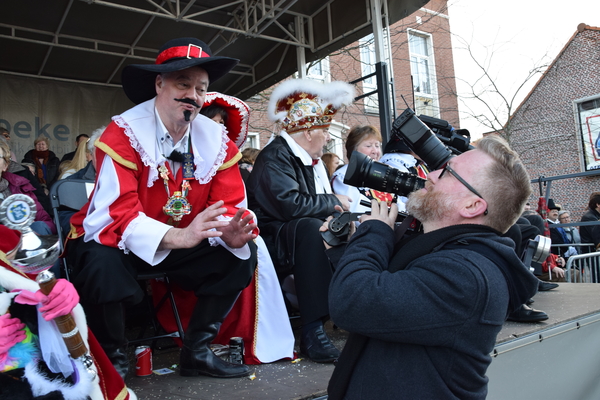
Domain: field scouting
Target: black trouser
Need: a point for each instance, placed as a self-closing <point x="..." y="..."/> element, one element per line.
<point x="103" y="274"/>
<point x="311" y="267"/>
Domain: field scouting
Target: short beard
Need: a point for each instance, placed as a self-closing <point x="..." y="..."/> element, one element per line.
<point x="428" y="206"/>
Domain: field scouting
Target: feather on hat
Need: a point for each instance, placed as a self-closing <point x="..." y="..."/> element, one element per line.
<point x="300" y="104"/>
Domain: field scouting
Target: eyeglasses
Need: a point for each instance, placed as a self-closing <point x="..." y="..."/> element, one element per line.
<point x="461" y="180"/>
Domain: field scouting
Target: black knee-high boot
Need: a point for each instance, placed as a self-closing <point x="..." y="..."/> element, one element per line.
<point x="107" y="323"/>
<point x="196" y="357"/>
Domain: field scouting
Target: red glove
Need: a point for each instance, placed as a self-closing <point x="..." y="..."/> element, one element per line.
<point x="61" y="300"/>
<point x="11" y="332"/>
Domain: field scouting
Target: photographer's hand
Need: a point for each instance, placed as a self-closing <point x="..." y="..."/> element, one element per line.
<point x="380" y="211"/>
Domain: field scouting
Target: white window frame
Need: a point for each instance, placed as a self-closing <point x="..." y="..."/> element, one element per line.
<point x="426" y="103"/>
<point x="253" y="140"/>
<point x="367" y="67"/>
<point x="336" y="144"/>
<point x="324" y="76"/>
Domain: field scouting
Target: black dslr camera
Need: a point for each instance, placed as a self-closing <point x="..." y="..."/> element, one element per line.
<point x="434" y="140"/>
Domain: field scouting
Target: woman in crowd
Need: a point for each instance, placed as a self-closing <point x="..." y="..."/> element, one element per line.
<point x="332" y="163"/>
<point x="80" y="160"/>
<point x="14" y="184"/>
<point x="247" y="162"/>
<point x="365" y="139"/>
<point x="45" y="161"/>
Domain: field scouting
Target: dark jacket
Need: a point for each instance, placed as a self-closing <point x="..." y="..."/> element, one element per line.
<point x="424" y="321"/>
<point x="52" y="167"/>
<point x="21" y="170"/>
<point x="587" y="232"/>
<point x="281" y="189"/>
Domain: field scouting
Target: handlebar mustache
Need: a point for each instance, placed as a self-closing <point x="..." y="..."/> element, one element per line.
<point x="189" y="101"/>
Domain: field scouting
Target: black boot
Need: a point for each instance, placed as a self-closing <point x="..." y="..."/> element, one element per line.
<point x="107" y="323"/>
<point x="196" y="357"/>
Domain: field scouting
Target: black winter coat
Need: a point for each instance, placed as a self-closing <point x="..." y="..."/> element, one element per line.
<point x="281" y="190"/>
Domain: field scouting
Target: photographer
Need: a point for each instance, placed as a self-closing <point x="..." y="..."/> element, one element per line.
<point x="423" y="320"/>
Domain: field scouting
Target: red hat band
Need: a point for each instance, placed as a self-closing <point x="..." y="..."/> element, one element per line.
<point x="189" y="51"/>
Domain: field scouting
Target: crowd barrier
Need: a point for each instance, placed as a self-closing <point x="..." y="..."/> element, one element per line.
<point x="588" y="265"/>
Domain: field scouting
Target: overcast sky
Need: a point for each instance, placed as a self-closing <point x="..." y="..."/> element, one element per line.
<point x="517" y="35"/>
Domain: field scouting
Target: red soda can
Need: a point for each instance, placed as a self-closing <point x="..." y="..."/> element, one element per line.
<point x="143" y="365"/>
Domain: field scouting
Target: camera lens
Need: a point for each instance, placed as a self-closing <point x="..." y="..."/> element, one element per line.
<point x="365" y="172"/>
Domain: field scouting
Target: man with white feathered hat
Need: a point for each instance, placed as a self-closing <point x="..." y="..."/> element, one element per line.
<point x="290" y="193"/>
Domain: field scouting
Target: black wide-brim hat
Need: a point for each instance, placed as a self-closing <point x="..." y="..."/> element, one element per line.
<point x="138" y="80"/>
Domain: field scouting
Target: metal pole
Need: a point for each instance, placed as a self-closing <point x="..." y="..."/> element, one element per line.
<point x="383" y="95"/>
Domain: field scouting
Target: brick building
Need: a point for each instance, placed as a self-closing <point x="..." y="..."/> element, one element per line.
<point x="555" y="129"/>
<point x="420" y="49"/>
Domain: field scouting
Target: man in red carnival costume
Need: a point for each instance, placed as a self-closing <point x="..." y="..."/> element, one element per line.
<point x="167" y="180"/>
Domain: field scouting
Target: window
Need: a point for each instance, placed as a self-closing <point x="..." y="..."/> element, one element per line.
<point x="588" y="114"/>
<point x="318" y="70"/>
<point x="253" y="140"/>
<point x="367" y="62"/>
<point x="336" y="144"/>
<point x="422" y="68"/>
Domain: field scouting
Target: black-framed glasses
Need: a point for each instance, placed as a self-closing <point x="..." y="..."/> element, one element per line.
<point x="461" y="180"/>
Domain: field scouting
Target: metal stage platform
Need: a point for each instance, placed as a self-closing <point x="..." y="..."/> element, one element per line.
<point x="555" y="359"/>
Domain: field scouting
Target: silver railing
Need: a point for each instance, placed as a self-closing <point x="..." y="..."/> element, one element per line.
<point x="583" y="268"/>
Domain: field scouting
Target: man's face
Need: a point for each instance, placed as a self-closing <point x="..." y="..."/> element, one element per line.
<point x="318" y="140"/>
<point x="442" y="198"/>
<point x="191" y="83"/>
<point x="553" y="215"/>
<point x="564" y="218"/>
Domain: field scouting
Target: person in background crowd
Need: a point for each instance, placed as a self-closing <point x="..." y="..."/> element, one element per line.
<point x="290" y="193"/>
<point x="6" y="135"/>
<point x="365" y="139"/>
<point x="553" y="210"/>
<point x="592" y="214"/>
<point x="246" y="163"/>
<point x="234" y="114"/>
<point x="423" y="316"/>
<point x="24" y="171"/>
<point x="565" y="235"/>
<point x="88" y="173"/>
<point x="78" y="140"/>
<point x="332" y="163"/>
<point x="45" y="161"/>
<point x="81" y="159"/>
<point x="167" y="196"/>
<point x="14" y="184"/>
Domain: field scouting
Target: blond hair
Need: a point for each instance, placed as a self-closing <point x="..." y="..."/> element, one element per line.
<point x="79" y="160"/>
<point x="505" y="186"/>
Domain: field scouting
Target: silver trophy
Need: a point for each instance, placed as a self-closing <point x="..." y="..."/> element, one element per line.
<point x="37" y="253"/>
